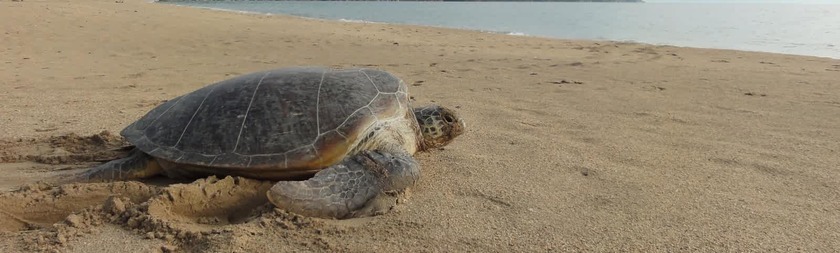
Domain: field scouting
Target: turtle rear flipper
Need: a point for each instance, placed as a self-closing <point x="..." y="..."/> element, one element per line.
<point x="359" y="186"/>
<point x="136" y="165"/>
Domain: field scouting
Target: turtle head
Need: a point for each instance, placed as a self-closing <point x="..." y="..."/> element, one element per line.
<point x="439" y="125"/>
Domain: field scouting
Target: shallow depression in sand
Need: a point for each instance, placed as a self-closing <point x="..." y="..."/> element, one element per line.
<point x="210" y="202"/>
<point x="64" y="149"/>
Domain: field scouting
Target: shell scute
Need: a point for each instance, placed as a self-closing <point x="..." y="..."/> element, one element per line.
<point x="303" y="156"/>
<point x="268" y="159"/>
<point x="220" y="111"/>
<point x="383" y="80"/>
<point x="177" y="119"/>
<point x="350" y="127"/>
<point x="281" y="115"/>
<point x="198" y="159"/>
<point x="228" y="160"/>
<point x="336" y="103"/>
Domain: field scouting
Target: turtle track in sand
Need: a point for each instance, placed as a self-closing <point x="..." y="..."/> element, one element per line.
<point x="68" y="150"/>
<point x="47" y="218"/>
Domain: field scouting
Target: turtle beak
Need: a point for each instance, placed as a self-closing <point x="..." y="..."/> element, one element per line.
<point x="457" y="129"/>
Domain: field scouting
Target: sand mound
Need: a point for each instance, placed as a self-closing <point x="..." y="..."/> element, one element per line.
<point x="191" y="213"/>
<point x="199" y="214"/>
<point x="206" y="206"/>
<point x="58" y="213"/>
<point x="31" y="207"/>
<point x="211" y="202"/>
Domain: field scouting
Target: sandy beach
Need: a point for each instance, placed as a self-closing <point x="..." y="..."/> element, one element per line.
<point x="571" y="145"/>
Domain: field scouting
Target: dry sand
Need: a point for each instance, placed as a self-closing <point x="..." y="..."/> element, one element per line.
<point x="572" y="145"/>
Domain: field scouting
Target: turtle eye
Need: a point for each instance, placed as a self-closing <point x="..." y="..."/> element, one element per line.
<point x="448" y="119"/>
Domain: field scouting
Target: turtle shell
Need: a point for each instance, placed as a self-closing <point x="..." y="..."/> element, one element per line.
<point x="291" y="118"/>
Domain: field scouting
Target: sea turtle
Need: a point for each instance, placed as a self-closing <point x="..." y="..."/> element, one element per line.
<point x="339" y="140"/>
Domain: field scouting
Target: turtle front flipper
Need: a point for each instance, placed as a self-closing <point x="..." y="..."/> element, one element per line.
<point x="361" y="185"/>
<point x="136" y="165"/>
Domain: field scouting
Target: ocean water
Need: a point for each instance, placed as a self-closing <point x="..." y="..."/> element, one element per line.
<point x="791" y="28"/>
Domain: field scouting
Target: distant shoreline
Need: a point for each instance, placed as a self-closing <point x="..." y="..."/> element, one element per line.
<point x="566" y="1"/>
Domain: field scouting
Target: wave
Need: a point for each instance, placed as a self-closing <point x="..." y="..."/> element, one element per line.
<point x="501" y="32"/>
<point x="228" y="10"/>
<point x="357" y="21"/>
